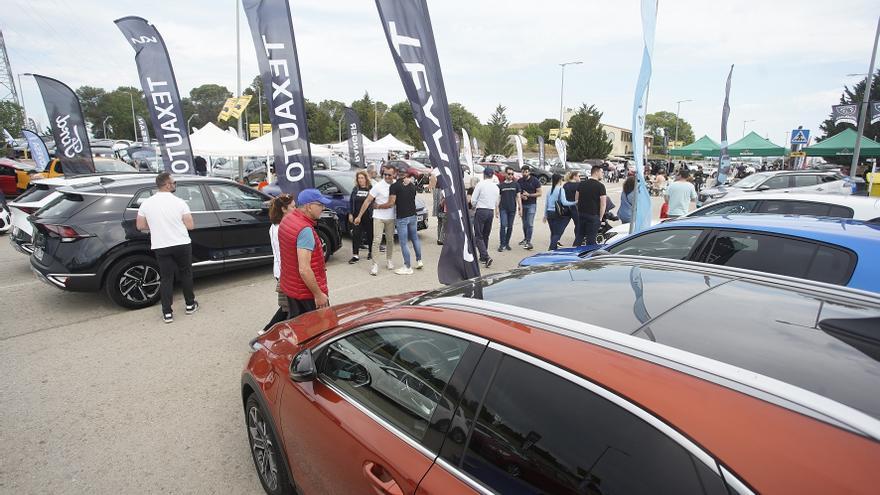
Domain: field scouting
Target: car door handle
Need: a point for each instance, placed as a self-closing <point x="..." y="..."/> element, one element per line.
<point x="231" y="220"/>
<point x="373" y="471"/>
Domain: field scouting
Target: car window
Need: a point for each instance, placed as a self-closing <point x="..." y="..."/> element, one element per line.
<point x="537" y="432"/>
<point x="191" y="193"/>
<point x="805" y="180"/>
<point x="779" y="182"/>
<point x="728" y="208"/>
<point x="787" y="207"/>
<point x="398" y="373"/>
<point x="663" y="243"/>
<point x="841" y="212"/>
<point x="780" y="255"/>
<point x="232" y="197"/>
<point x="322" y="183"/>
<point x="828" y="178"/>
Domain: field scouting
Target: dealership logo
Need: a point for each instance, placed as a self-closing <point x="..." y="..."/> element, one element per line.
<point x="72" y="143"/>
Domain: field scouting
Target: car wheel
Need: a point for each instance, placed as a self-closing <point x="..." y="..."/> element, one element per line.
<point x="5" y="220"/>
<point x="264" y="450"/>
<point x="326" y="247"/>
<point x="600" y="239"/>
<point x="133" y="282"/>
<point x="543" y="180"/>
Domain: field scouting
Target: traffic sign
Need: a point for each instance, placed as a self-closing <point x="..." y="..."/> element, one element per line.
<point x="796" y="154"/>
<point x="800" y="136"/>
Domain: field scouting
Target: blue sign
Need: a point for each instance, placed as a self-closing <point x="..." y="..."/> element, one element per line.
<point x="800" y="136"/>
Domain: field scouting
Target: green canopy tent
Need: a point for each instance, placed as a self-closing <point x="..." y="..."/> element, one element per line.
<point x="842" y="144"/>
<point x="704" y="146"/>
<point x="754" y="145"/>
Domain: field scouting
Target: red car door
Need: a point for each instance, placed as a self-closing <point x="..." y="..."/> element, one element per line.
<point x="360" y="426"/>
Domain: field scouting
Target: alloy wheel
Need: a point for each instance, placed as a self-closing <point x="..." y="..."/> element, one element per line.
<point x="139" y="283"/>
<point x="262" y="448"/>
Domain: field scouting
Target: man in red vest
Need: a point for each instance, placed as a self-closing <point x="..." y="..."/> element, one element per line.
<point x="303" y="275"/>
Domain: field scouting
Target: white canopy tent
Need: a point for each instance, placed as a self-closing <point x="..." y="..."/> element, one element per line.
<point x="262" y="146"/>
<point x="391" y="143"/>
<point x="342" y="146"/>
<point x="210" y="140"/>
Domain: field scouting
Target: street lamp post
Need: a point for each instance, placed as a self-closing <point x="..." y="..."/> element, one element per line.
<point x="133" y="119"/>
<point x="189" y="119"/>
<point x="104" y="125"/>
<point x="562" y="92"/>
<point x="864" y="111"/>
<point x="744" y="125"/>
<point x="339" y="127"/>
<point x="677" y="112"/>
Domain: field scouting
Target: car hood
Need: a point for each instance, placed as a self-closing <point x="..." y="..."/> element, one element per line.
<point x="564" y="255"/>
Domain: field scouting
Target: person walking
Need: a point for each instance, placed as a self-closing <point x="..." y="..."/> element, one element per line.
<point x="279" y="207"/>
<point x="627" y="197"/>
<point x="168" y="220"/>
<point x="510" y="204"/>
<point x="485" y="201"/>
<point x="531" y="191"/>
<point x="557" y="211"/>
<point x="572" y="181"/>
<point x="364" y="231"/>
<point x="591" y="201"/>
<point x="383" y="217"/>
<point x="680" y="194"/>
<point x="436" y="183"/>
<point x="303" y="273"/>
<point x="201" y="166"/>
<point x="402" y="197"/>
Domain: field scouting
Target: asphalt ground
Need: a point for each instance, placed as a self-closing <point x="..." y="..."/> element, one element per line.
<point x="95" y="398"/>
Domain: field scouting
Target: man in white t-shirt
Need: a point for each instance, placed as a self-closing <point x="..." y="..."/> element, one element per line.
<point x="680" y="194"/>
<point x="168" y="220"/>
<point x="383" y="216"/>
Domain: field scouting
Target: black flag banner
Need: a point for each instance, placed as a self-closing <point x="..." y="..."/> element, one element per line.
<point x="845" y="114"/>
<point x="160" y="90"/>
<point x="68" y="126"/>
<point x="875" y="112"/>
<point x="410" y="37"/>
<point x="272" y="31"/>
<point x="355" y="138"/>
<point x="145" y="133"/>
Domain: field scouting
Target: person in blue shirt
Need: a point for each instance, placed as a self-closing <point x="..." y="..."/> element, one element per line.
<point x="555" y="213"/>
<point x="627" y="196"/>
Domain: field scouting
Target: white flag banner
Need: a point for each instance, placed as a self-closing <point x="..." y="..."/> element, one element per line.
<point x="519" y="150"/>
<point x="468" y="152"/>
<point x="561" y="151"/>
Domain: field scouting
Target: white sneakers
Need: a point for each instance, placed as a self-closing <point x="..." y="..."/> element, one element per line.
<point x="419" y="265"/>
<point x="390" y="265"/>
<point x="374" y="270"/>
<point x="404" y="270"/>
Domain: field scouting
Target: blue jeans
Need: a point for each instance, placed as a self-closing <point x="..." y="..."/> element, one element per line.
<point x="558" y="223"/>
<point x="506" y="218"/>
<point x="407" y="229"/>
<point x="528" y="221"/>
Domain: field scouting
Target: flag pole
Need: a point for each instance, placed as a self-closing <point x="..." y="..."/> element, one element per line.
<point x="864" y="112"/>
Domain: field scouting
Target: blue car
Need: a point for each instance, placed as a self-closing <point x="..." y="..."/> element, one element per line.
<point x="832" y="250"/>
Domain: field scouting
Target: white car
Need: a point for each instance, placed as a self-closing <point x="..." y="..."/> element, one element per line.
<point x="39" y="194"/>
<point x="5" y="219"/>
<point x="821" y="205"/>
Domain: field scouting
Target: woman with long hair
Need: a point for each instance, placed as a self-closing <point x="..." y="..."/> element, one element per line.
<point x="362" y="232"/>
<point x="558" y="211"/>
<point x="278" y="207"/>
<point x="572" y="180"/>
<point x="627" y="196"/>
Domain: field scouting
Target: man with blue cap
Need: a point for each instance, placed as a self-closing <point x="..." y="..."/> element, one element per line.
<point x="303" y="273"/>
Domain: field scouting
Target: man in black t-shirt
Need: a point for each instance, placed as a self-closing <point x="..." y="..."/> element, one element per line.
<point x="402" y="195"/>
<point x="591" y="201"/>
<point x="530" y="192"/>
<point x="509" y="205"/>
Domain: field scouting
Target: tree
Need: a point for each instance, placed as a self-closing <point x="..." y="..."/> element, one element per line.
<point x="849" y="96"/>
<point x="366" y="110"/>
<point x="532" y="132"/>
<point x="666" y="121"/>
<point x="546" y="125"/>
<point x="11" y="117"/>
<point x="497" y="133"/>
<point x="115" y="107"/>
<point x="588" y="138"/>
<point x="411" y="131"/>
<point x="392" y="123"/>
<point x="463" y="119"/>
<point x="207" y="101"/>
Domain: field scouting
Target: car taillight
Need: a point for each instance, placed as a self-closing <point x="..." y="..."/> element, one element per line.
<point x="65" y="232"/>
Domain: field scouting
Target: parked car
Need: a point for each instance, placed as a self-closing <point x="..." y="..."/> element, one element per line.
<point x="508" y="383"/>
<point x="582" y="168"/>
<point x="832" y="250"/>
<point x="781" y="180"/>
<point x="494" y="158"/>
<point x="780" y="203"/>
<point x="5" y="218"/>
<point x="14" y="177"/>
<point x="228" y="169"/>
<point x="420" y="172"/>
<point x="86" y="239"/>
<point x="40" y="193"/>
<point x="338" y="186"/>
<point x="543" y="176"/>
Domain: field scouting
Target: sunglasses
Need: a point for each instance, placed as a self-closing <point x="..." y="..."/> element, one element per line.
<point x="388" y="175"/>
<point x="510" y="174"/>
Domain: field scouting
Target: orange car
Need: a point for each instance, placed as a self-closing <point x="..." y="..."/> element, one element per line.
<point x="615" y="375"/>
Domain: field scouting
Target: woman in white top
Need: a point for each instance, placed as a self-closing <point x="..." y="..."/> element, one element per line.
<point x="278" y="207"/>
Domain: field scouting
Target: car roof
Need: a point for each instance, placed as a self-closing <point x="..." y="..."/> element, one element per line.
<point x="860" y="204"/>
<point x="133" y="184"/>
<point x="812" y="347"/>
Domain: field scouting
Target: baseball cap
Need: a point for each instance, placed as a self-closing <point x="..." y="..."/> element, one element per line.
<point x="488" y="172"/>
<point x="307" y="196"/>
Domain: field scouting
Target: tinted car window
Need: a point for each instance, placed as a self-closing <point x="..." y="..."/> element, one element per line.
<point x="231" y="197"/>
<point x="786" y="207"/>
<point x="65" y="206"/>
<point x="664" y="243"/>
<point x="841" y="212"/>
<point x="777" y="182"/>
<point x="398" y="373"/>
<point x="539" y="433"/>
<point x="191" y="193"/>
<point x="728" y="208"/>
<point x="36" y="193"/>
<point x="805" y="180"/>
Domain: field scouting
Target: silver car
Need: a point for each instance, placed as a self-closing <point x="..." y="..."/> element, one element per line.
<point x="813" y="181"/>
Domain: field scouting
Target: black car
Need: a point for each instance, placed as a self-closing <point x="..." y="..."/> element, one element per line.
<point x="543" y="176"/>
<point x="86" y="239"/>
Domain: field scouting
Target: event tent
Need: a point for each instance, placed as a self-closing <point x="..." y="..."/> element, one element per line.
<point x="754" y="145"/>
<point x="391" y="143"/>
<point x="210" y="140"/>
<point x="705" y="146"/>
<point x="842" y="144"/>
<point x="262" y="146"/>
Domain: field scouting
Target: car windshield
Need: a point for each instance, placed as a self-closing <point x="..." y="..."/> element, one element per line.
<point x="751" y="181"/>
<point x="339" y="163"/>
<point x="345" y="181"/>
<point x="113" y="166"/>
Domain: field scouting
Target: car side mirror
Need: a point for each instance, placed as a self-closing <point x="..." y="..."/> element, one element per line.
<point x="763" y="188"/>
<point x="302" y="368"/>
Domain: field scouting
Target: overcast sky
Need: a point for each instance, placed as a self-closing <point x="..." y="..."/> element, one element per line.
<point x="791" y="57"/>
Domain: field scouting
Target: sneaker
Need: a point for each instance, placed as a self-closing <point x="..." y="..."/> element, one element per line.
<point x="522" y="242"/>
<point x="390" y="265"/>
<point x="353" y="260"/>
<point x="500" y="248"/>
<point x="507" y="248"/>
<point x="190" y="309"/>
<point x="404" y="270"/>
<point x="439" y="243"/>
<point x="488" y="262"/>
<point x="528" y="246"/>
<point x="374" y="270"/>
<point x="168" y="317"/>
<point x="419" y="265"/>
<point x="382" y="248"/>
<point x="369" y="256"/>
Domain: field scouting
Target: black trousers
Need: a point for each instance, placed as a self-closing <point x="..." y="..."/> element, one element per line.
<point x="482" y="229"/>
<point x="175" y="262"/>
<point x="589" y="230"/>
<point x="296" y="307"/>
<point x="361" y="234"/>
